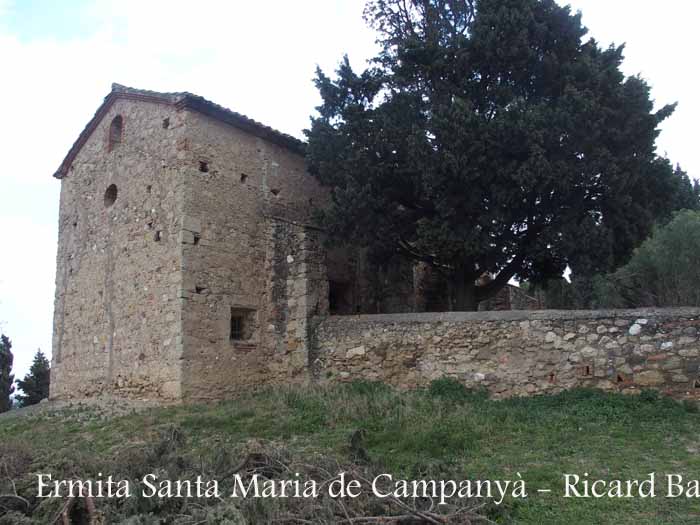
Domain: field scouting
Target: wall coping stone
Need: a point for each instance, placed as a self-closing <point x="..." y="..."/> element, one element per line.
<point x="516" y="315"/>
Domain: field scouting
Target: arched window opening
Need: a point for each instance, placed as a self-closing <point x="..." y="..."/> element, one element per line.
<point x="110" y="195"/>
<point x="115" y="132"/>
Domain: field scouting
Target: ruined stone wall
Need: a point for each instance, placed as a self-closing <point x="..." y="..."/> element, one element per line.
<point x="246" y="251"/>
<point x="364" y="287"/>
<point x="296" y="295"/>
<point x="511" y="297"/>
<point x="518" y="353"/>
<point x="117" y="316"/>
<point x="525" y="300"/>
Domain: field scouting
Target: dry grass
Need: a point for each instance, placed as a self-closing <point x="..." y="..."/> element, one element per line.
<point x="443" y="432"/>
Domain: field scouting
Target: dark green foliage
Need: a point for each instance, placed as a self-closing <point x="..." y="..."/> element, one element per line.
<point x="447" y="388"/>
<point x="557" y="293"/>
<point x="452" y="390"/>
<point x="651" y="396"/>
<point x="560" y="294"/>
<point x="489" y="135"/>
<point x="687" y="196"/>
<point x="35" y="385"/>
<point x="6" y="377"/>
<point x="664" y="270"/>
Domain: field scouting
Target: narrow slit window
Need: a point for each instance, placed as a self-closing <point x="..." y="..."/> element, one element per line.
<point x="116" y="128"/>
<point x="236" y="327"/>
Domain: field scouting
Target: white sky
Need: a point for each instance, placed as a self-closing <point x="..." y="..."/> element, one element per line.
<point x="258" y="58"/>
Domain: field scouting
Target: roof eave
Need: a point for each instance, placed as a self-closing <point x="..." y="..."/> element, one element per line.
<point x="211" y="109"/>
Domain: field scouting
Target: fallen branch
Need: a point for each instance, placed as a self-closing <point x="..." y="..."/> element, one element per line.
<point x="15" y="497"/>
<point x="64" y="513"/>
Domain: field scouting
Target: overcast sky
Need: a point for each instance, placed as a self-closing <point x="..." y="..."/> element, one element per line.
<point x="258" y="58"/>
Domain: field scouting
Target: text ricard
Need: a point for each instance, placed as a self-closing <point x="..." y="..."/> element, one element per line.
<point x="382" y="486"/>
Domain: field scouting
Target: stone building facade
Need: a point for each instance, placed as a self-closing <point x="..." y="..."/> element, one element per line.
<point x="187" y="263"/>
<point x="189" y="268"/>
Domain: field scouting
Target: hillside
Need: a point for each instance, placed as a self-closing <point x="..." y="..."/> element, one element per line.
<point x="366" y="430"/>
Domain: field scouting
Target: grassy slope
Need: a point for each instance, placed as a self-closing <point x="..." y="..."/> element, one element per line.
<point x="441" y="433"/>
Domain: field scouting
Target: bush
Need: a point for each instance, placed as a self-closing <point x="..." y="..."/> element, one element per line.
<point x="450" y="389"/>
<point x="648" y="395"/>
<point x="663" y="271"/>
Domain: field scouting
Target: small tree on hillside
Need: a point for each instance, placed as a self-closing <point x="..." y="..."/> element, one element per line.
<point x="6" y="378"/>
<point x="35" y="384"/>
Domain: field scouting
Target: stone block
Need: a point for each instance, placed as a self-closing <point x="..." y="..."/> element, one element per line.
<point x="635" y="329"/>
<point x="191" y="224"/>
<point x="186" y="237"/>
<point x="356" y="352"/>
<point x="649" y="378"/>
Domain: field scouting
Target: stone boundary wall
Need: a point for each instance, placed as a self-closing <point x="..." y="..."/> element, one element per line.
<point x="514" y="353"/>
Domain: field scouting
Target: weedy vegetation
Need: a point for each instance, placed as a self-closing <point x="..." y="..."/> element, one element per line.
<point x="365" y="429"/>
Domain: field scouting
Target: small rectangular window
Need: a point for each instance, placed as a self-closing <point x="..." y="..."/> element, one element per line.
<point x="242" y="324"/>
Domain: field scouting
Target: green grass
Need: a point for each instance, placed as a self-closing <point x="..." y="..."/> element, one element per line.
<point x="443" y="432"/>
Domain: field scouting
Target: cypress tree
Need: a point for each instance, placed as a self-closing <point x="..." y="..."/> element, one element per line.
<point x="6" y="378"/>
<point x="35" y="385"/>
<point x="490" y="136"/>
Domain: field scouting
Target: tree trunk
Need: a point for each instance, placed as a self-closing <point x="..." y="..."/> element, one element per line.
<point x="464" y="293"/>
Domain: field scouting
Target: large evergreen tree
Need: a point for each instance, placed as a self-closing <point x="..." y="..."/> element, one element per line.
<point x="35" y="385"/>
<point x="6" y="378"/>
<point x="490" y="136"/>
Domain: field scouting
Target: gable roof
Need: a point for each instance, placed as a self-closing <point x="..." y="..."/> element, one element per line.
<point x="181" y="100"/>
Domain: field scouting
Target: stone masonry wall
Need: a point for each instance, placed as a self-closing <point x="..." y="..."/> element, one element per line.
<point x="518" y="353"/>
<point x="117" y="316"/>
<point x="246" y="249"/>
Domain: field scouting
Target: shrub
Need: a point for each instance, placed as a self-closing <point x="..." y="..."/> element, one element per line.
<point x="663" y="271"/>
<point x="450" y="389"/>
